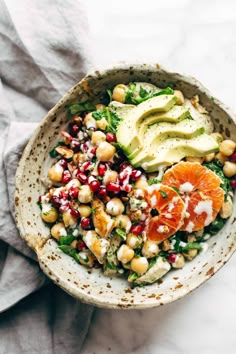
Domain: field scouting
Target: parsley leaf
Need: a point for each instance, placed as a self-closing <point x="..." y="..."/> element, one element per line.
<point x="163" y="194"/>
<point x="66" y="240"/>
<point x="153" y="181"/>
<point x="121" y="233"/>
<point x="175" y="189"/>
<point x="217" y="167"/>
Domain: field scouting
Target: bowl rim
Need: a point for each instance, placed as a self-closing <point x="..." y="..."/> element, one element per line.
<point x="102" y="71"/>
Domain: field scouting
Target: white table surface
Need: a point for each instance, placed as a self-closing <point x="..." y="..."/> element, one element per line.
<point x="198" y="38"/>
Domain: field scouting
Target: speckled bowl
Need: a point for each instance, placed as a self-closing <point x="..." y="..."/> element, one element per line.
<point x="91" y="286"/>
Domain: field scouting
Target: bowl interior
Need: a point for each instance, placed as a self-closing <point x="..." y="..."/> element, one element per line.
<point x="92" y="286"/>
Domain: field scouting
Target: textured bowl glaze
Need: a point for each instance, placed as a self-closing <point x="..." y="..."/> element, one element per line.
<point x="91" y="286"/>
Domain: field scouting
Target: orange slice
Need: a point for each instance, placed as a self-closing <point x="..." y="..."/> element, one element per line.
<point x="170" y="212"/>
<point x="200" y="189"/>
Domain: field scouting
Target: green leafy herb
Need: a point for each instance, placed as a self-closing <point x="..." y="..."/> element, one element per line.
<point x="192" y="246"/>
<point x="111" y="265"/>
<point x="129" y="94"/>
<point x="53" y="153"/>
<point x="154" y="180"/>
<point x="216" y="166"/>
<point x="215" y="226"/>
<point x="111" y="118"/>
<point x="152" y="262"/>
<point x="86" y="106"/>
<point x="39" y="204"/>
<point x="68" y="250"/>
<point x="121" y="233"/>
<point x="163" y="194"/>
<point x="144" y="94"/>
<point x="132" y="277"/>
<point x="175" y="189"/>
<point x="165" y="91"/>
<point x="66" y="240"/>
<point x="109" y="92"/>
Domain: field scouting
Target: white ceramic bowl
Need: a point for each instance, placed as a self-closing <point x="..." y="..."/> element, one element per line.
<point x="91" y="286"/>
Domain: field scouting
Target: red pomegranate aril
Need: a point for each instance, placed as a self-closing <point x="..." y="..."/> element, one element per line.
<point x="102" y="192"/>
<point x="75" y="213"/>
<point x="113" y="187"/>
<point x="56" y="202"/>
<point x="85" y="146"/>
<point x="64" y="194"/>
<point x="64" y="207"/>
<point x="93" y="151"/>
<point x="233" y="183"/>
<point x="94" y="185"/>
<point x="123" y="166"/>
<point x="111" y="138"/>
<point x="73" y="192"/>
<point x="85" y="223"/>
<point x="80" y="245"/>
<point x="86" y="165"/>
<point x="135" y="175"/>
<point x="172" y="257"/>
<point x="101" y="169"/>
<point x="66" y="177"/>
<point x="233" y="157"/>
<point x="63" y="163"/>
<point x="136" y="230"/>
<point x="123" y="176"/>
<point x="75" y="145"/>
<point x="127" y="188"/>
<point x="73" y="129"/>
<point x="82" y="177"/>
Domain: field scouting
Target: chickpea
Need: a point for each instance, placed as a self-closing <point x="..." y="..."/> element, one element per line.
<point x="110" y="176"/>
<point x="133" y="241"/>
<point x="68" y="219"/>
<point x="191" y="238"/>
<point x="100" y="106"/>
<point x="125" y="254"/>
<point x="222" y="158"/>
<point x="85" y="194"/>
<point x="73" y="183"/>
<point x="229" y="169"/>
<point x="79" y="157"/>
<point x="55" y="173"/>
<point x="84" y="210"/>
<point x="98" y="137"/>
<point x="191" y="254"/>
<point x="227" y="147"/>
<point x="226" y="209"/>
<point x="150" y="249"/>
<point x="195" y="159"/>
<point x="115" y="207"/>
<point x="199" y="233"/>
<point x="74" y="244"/>
<point x="209" y="157"/>
<point x="89" y="121"/>
<point x="180" y="97"/>
<point x="49" y="215"/>
<point x="58" y="230"/>
<point x="119" y="93"/>
<point x="217" y="137"/>
<point x="141" y="183"/>
<point x="166" y="246"/>
<point x="135" y="215"/>
<point x="179" y="263"/>
<point x="123" y="222"/>
<point x="105" y="151"/>
<point x="102" y="124"/>
<point x="139" y="265"/>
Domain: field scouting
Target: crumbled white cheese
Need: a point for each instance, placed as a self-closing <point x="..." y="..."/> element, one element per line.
<point x="172" y="203"/>
<point x="63" y="232"/>
<point x="153" y="201"/>
<point x="205" y="206"/>
<point x="186" y="187"/>
<point x="190" y="226"/>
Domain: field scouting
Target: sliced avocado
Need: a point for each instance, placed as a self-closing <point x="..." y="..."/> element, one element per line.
<point x="202" y="118"/>
<point x="127" y="131"/>
<point x="174" y="149"/>
<point x="121" y="109"/>
<point x="157" y="271"/>
<point x="157" y="133"/>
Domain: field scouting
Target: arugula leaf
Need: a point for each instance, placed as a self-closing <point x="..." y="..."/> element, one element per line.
<point x="153" y="181"/>
<point x="112" y="119"/>
<point x="129" y="94"/>
<point x="165" y="91"/>
<point x="66" y="240"/>
<point x="121" y="233"/>
<point x="111" y="265"/>
<point x="215" y="226"/>
<point x="86" y="106"/>
<point x="68" y="250"/>
<point x="53" y="153"/>
<point x="217" y="167"/>
<point x="192" y="246"/>
<point x="99" y="114"/>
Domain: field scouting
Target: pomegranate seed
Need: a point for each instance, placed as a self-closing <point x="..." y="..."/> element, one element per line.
<point x="80" y="245"/>
<point x="111" y="138"/>
<point x="64" y="194"/>
<point x="94" y="185"/>
<point x="63" y="163"/>
<point x="233" y="183"/>
<point x="75" y="213"/>
<point x="135" y="175"/>
<point x="172" y="257"/>
<point x="123" y="166"/>
<point x="233" y="157"/>
<point x="86" y="166"/>
<point x="123" y="176"/>
<point x="75" y="145"/>
<point x="101" y="169"/>
<point x="85" y="146"/>
<point x="102" y="192"/>
<point x="93" y="151"/>
<point x="82" y="177"/>
<point x="73" y="192"/>
<point x="73" y="129"/>
<point x="136" y="230"/>
<point x="56" y="202"/>
<point x="64" y="208"/>
<point x="85" y="223"/>
<point x="127" y="188"/>
<point x="113" y="187"/>
<point x="66" y="177"/>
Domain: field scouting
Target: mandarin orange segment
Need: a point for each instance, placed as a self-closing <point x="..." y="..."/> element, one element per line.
<point x="170" y="208"/>
<point x="200" y="189"/>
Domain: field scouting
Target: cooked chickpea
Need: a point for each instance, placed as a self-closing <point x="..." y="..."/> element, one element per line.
<point x="89" y="121"/>
<point x="79" y="157"/>
<point x="49" y="215"/>
<point x="85" y="194"/>
<point x="179" y="263"/>
<point x="58" y="230"/>
<point x="229" y="169"/>
<point x="74" y="244"/>
<point x="102" y="124"/>
<point x="73" y="183"/>
<point x="222" y="158"/>
<point x="110" y="176"/>
<point x="123" y="222"/>
<point x="133" y="241"/>
<point x="191" y="238"/>
<point x="119" y="93"/>
<point x="125" y="254"/>
<point x="100" y="106"/>
<point x="191" y="254"/>
<point x="199" y="233"/>
<point x="217" y="137"/>
<point x="150" y="249"/>
<point x="180" y="97"/>
<point x="55" y="173"/>
<point x="227" y="147"/>
<point x="86" y="258"/>
<point x="166" y="246"/>
<point x="141" y="183"/>
<point x="84" y="210"/>
<point x="226" y="209"/>
<point x="98" y="137"/>
<point x="115" y="207"/>
<point x="209" y="157"/>
<point x="139" y="265"/>
<point x="105" y="151"/>
<point x="195" y="159"/>
<point x="68" y="219"/>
